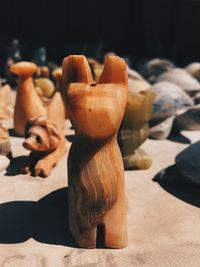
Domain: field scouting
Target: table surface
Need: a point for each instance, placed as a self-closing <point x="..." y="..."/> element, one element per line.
<point x="163" y="219"/>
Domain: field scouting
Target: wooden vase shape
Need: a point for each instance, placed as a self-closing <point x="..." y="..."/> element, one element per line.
<point x="29" y="103"/>
<point x="95" y="167"/>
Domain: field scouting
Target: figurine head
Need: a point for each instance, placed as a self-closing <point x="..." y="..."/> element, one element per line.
<point x="23" y="69"/>
<point x="95" y="110"/>
<point x="41" y="135"/>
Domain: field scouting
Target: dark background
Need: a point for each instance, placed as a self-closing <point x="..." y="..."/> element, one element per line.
<point x="139" y="29"/>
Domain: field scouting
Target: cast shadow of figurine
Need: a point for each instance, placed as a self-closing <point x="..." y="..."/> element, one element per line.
<point x="178" y="138"/>
<point x="12" y="133"/>
<point x="45" y="220"/>
<point x="183" y="190"/>
<point x="16" y="165"/>
<point x="70" y="137"/>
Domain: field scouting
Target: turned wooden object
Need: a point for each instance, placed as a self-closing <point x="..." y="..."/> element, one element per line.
<point x="47" y="144"/>
<point x="57" y="74"/>
<point x="95" y="168"/>
<point x="29" y="103"/>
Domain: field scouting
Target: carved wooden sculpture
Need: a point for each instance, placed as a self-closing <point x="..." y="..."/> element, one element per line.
<point x="95" y="167"/>
<point x="46" y="85"/>
<point x="47" y="144"/>
<point x="57" y="74"/>
<point x="135" y="130"/>
<point x="29" y="103"/>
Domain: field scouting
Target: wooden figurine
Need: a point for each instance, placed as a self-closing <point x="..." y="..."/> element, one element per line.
<point x="46" y="85"/>
<point x="95" y="167"/>
<point x="57" y="74"/>
<point x="5" y="147"/>
<point x="47" y="144"/>
<point x="135" y="130"/>
<point x="29" y="103"/>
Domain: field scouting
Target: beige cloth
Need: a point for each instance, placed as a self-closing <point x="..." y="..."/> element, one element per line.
<point x="163" y="228"/>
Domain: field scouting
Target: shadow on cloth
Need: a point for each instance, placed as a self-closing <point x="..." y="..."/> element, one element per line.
<point x="183" y="190"/>
<point x="70" y="138"/>
<point x="178" y="138"/>
<point x="16" y="165"/>
<point x="13" y="133"/>
<point x="45" y="220"/>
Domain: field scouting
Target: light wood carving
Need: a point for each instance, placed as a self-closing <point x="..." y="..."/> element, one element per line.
<point x="30" y="103"/>
<point x="95" y="167"/>
<point x="47" y="144"/>
<point x="57" y="74"/>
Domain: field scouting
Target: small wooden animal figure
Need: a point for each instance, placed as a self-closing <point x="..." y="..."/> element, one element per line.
<point x="47" y="144"/>
<point x="95" y="167"/>
<point x="29" y="102"/>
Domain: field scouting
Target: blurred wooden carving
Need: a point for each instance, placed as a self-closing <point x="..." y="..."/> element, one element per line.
<point x="7" y="100"/>
<point x="135" y="130"/>
<point x="57" y="74"/>
<point x="95" y="167"/>
<point x="5" y="147"/>
<point x="30" y="103"/>
<point x="47" y="144"/>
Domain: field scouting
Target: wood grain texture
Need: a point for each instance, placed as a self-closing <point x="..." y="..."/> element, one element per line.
<point x="95" y="168"/>
<point x="29" y="103"/>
